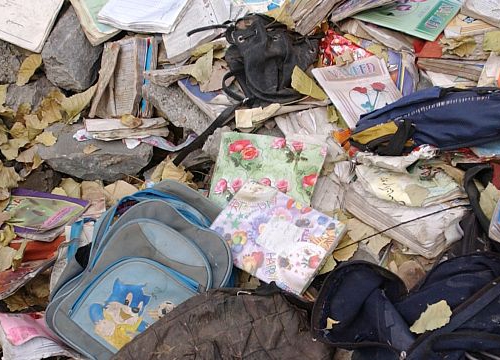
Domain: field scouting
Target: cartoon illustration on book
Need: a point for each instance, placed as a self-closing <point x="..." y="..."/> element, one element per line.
<point x="120" y="318"/>
<point x="369" y="98"/>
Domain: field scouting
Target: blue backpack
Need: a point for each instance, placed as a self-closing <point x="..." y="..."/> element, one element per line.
<point x="149" y="253"/>
<point x="446" y="118"/>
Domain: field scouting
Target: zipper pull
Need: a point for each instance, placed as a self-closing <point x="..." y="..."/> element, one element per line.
<point x="402" y="355"/>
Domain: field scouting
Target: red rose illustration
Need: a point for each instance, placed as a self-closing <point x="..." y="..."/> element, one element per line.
<point x="237" y="184"/>
<point x="309" y="180"/>
<point x="282" y="185"/>
<point x="361" y="90"/>
<point x="265" y="181"/>
<point x="238" y="145"/>
<point x="298" y="145"/>
<point x="249" y="153"/>
<point x="378" y="86"/>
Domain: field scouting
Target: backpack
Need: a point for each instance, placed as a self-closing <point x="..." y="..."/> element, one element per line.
<point x="371" y="310"/>
<point x="264" y="324"/>
<point x="446" y="118"/>
<point x="149" y="253"/>
<point x="261" y="57"/>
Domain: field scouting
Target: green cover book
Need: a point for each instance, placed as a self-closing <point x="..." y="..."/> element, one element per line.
<point x="425" y="19"/>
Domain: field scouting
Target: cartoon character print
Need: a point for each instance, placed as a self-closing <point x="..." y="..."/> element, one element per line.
<point x="163" y="309"/>
<point x="120" y="319"/>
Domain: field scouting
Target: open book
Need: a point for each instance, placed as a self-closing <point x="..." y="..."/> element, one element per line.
<point x="27" y="24"/>
<point x="96" y="32"/>
<point x="147" y="16"/>
<point x="119" y="89"/>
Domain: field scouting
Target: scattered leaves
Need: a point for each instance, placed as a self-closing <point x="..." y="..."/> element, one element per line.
<point x="28" y="68"/>
<point x="18" y="130"/>
<point x="346" y="249"/>
<point x="201" y="69"/>
<point x="131" y="121"/>
<point x="330" y="323"/>
<point x="434" y="317"/>
<point x="18" y="256"/>
<point x="75" y="104"/>
<point x="35" y="293"/>
<point x="71" y="188"/>
<point x="46" y="138"/>
<point x="6" y="256"/>
<point x="27" y="156"/>
<point x="7" y="234"/>
<point x="463" y="47"/>
<point x="58" y="191"/>
<point x="117" y="190"/>
<point x="329" y="265"/>
<point x="491" y="41"/>
<point x="8" y="177"/>
<point x="11" y="149"/>
<point x="167" y="170"/>
<point x="305" y="85"/>
<point x="50" y="108"/>
<point x="90" y="148"/>
<point x="4" y="216"/>
<point x="34" y="126"/>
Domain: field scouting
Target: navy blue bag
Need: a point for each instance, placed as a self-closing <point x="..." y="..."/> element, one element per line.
<point x="373" y="310"/>
<point x="446" y="118"/>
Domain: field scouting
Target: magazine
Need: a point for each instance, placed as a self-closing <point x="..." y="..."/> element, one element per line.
<point x="276" y="238"/>
<point x="424" y="19"/>
<point x="358" y="88"/>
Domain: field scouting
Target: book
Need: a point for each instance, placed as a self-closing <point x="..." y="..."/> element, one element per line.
<point x="119" y="88"/>
<point x="292" y="165"/>
<point x="463" y="25"/>
<point x="96" y="32"/>
<point x="491" y="72"/>
<point x="276" y="238"/>
<point x="144" y="16"/>
<point x="26" y="23"/>
<point x="25" y="336"/>
<point x="113" y="129"/>
<point x="42" y="216"/>
<point x="424" y="20"/>
<point x="470" y="70"/>
<point x="486" y="10"/>
<point x="358" y="88"/>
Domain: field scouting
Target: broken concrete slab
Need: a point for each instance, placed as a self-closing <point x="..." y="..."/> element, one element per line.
<point x="42" y="179"/>
<point x="70" y="61"/>
<point x="212" y="144"/>
<point x="174" y="105"/>
<point x="10" y="62"/>
<point x="112" y="162"/>
<point x="31" y="93"/>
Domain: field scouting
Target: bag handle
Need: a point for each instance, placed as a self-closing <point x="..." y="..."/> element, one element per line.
<point x="396" y="144"/>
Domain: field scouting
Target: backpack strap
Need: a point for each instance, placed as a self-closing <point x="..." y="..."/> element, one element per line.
<point x="474" y="195"/>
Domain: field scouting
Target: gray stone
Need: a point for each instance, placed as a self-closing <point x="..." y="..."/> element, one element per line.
<point x="10" y="61"/>
<point x="41" y="179"/>
<point x="112" y="162"/>
<point x="31" y="93"/>
<point x="70" y="61"/>
<point x="174" y="105"/>
<point x="212" y="144"/>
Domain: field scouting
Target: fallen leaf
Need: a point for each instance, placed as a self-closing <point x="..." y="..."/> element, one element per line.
<point x="167" y="170"/>
<point x="434" y="317"/>
<point x="58" y="191"/>
<point x="46" y="138"/>
<point x="11" y="149"/>
<point x="379" y="51"/>
<point x="248" y="118"/>
<point x="6" y="256"/>
<point x="34" y="125"/>
<point x="330" y="323"/>
<point x="35" y="293"/>
<point x="4" y="216"/>
<point x="346" y="249"/>
<point x="71" y="187"/>
<point x="491" y="41"/>
<point x="4" y="195"/>
<point x="75" y="104"/>
<point x="7" y="234"/>
<point x="329" y="265"/>
<point x="28" y="68"/>
<point x="117" y="190"/>
<point x="131" y="121"/>
<point x="18" y="256"/>
<point x="8" y="177"/>
<point x="22" y="110"/>
<point x="305" y="85"/>
<point x="39" y="287"/>
<point x="18" y="130"/>
<point x="282" y="14"/>
<point x="219" y="69"/>
<point x="50" y="107"/>
<point x="27" y="156"/>
<point x="3" y="134"/>
<point x="201" y="69"/>
<point x="205" y="48"/>
<point x="90" y="148"/>
<point x="3" y="93"/>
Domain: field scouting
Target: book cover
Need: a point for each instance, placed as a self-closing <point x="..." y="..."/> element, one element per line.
<point x="292" y="165"/>
<point x="275" y="238"/>
<point x="425" y="19"/>
<point x="358" y="88"/>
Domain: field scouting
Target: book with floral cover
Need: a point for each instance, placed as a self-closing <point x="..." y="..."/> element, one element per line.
<point x="276" y="238"/>
<point x="358" y="88"/>
<point x="292" y="165"/>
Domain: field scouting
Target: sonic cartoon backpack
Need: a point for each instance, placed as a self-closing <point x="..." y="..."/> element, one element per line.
<point x="149" y="253"/>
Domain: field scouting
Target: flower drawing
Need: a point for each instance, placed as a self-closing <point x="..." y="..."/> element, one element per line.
<point x="250" y="152"/>
<point x="236" y="184"/>
<point x="298" y="145"/>
<point x="282" y="185"/>
<point x="371" y="103"/>
<point x="221" y="186"/>
<point x="278" y="143"/>
<point x="265" y="181"/>
<point x="238" y="145"/>
<point x="309" y="180"/>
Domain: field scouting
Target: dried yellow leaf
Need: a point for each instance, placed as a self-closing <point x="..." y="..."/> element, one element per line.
<point x="37" y="161"/>
<point x="3" y="134"/>
<point x="90" y="148"/>
<point x="28" y="155"/>
<point x="7" y="234"/>
<point x="434" y="317"/>
<point x="4" y="195"/>
<point x="491" y="41"/>
<point x="131" y="121"/>
<point x="6" y="256"/>
<point x="329" y="265"/>
<point x="4" y="216"/>
<point x="58" y="191"/>
<point x="18" y="131"/>
<point x="71" y="187"/>
<point x="330" y="323"/>
<point x="346" y="249"/>
<point x="3" y="94"/>
<point x="305" y="85"/>
<point x="28" y="68"/>
<point x="201" y="69"/>
<point x="34" y="126"/>
<point x="18" y="255"/>
<point x="22" y="110"/>
<point x="167" y="170"/>
<point x="46" y="138"/>
<point x="50" y="108"/>
<point x="282" y="14"/>
<point x="8" y="177"/>
<point x="75" y="104"/>
<point x="11" y="149"/>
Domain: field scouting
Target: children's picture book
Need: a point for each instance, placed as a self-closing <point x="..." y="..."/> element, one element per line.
<point x="358" y="88"/>
<point x="291" y="165"/>
<point x="425" y="19"/>
<point x="275" y="238"/>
